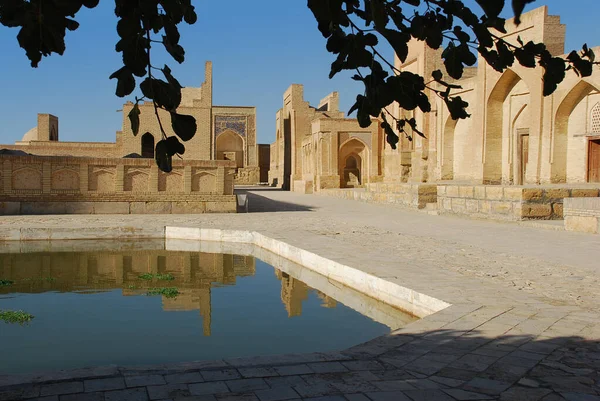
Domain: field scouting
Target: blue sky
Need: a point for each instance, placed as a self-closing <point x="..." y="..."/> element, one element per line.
<point x="258" y="48"/>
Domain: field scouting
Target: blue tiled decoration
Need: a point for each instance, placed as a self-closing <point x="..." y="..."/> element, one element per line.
<point x="234" y="123"/>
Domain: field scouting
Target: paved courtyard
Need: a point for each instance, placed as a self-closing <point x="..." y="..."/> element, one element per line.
<point x="523" y="324"/>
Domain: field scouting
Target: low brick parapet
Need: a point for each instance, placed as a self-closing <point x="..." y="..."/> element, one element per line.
<point x="509" y="202"/>
<point x="582" y="214"/>
<point x="415" y="196"/>
<point x="87" y="185"/>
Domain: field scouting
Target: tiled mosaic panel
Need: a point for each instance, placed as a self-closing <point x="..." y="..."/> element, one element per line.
<point x="235" y="123"/>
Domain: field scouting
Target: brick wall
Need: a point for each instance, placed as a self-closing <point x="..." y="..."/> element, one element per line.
<point x="54" y="184"/>
<point x="582" y="214"/>
<point x="508" y="202"/>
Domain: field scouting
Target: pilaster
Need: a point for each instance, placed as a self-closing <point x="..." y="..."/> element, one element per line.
<point x="187" y="179"/>
<point x="7" y="177"/>
<point x="46" y="177"/>
<point x="153" y="184"/>
<point x="84" y="178"/>
<point x="119" y="178"/>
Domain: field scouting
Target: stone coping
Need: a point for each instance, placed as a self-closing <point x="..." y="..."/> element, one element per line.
<point x="113" y="161"/>
<point x="415" y="303"/>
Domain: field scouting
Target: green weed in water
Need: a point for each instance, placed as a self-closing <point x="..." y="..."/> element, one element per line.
<point x="162" y="277"/>
<point x="47" y="279"/>
<point x="6" y="283"/>
<point x="20" y="317"/>
<point x="170" y="292"/>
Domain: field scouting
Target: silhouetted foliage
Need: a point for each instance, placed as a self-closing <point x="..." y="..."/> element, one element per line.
<point x="449" y="23"/>
<point x="44" y="24"/>
<point x="354" y="28"/>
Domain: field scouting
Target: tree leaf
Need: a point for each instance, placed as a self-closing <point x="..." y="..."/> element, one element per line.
<point x="163" y="157"/>
<point x="492" y="9"/>
<point x="183" y="125"/>
<point x="164" y="94"/>
<point x="518" y="7"/>
<point x="175" y="50"/>
<point x="457" y="107"/>
<point x="174" y="146"/>
<point x="134" y="119"/>
<point x="125" y="81"/>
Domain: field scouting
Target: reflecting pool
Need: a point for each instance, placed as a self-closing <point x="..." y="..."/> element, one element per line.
<point x="148" y="306"/>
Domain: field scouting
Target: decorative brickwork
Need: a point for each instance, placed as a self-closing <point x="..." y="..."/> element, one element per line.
<point x="596" y="119"/>
<point x="45" y="184"/>
<point x="315" y="144"/>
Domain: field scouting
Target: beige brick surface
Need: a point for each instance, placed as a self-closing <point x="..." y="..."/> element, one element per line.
<point x="494" y="193"/>
<point x="586" y="224"/>
<point x="532" y="194"/>
<point x="480" y="192"/>
<point x="537" y="210"/>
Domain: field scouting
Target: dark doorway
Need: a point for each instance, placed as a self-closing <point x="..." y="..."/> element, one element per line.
<point x="523" y="157"/>
<point x="148" y="145"/>
<point x="594" y="161"/>
<point x="287" y="155"/>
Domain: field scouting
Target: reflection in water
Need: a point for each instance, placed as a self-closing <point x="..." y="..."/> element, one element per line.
<point x="195" y="274"/>
<point x="86" y="272"/>
<point x="294" y="292"/>
<point x="91" y="309"/>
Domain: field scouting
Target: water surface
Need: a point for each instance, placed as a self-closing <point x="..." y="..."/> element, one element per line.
<point x="92" y="308"/>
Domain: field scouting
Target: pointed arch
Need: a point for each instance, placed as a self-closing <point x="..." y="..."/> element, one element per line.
<point x="136" y="180"/>
<point x="448" y="149"/>
<point x="27" y="178"/>
<point x="147" y="150"/>
<point x="492" y="163"/>
<point x="353" y="163"/>
<point x="230" y="146"/>
<point x="558" y="169"/>
<point x="65" y="179"/>
<point x="204" y="182"/>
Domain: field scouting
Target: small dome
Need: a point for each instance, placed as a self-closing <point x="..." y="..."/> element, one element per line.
<point x="31" y="135"/>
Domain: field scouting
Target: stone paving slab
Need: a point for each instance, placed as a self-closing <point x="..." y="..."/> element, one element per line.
<point x="523" y="325"/>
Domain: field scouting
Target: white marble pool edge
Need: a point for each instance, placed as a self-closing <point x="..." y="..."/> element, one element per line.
<point x="410" y="301"/>
<point x="415" y="303"/>
<point x="406" y="299"/>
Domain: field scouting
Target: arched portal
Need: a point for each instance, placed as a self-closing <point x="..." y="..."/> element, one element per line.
<point x="496" y="124"/>
<point x="353" y="163"/>
<point x="351" y="176"/>
<point x="230" y="146"/>
<point x="448" y="150"/>
<point x="558" y="169"/>
<point x="147" y="145"/>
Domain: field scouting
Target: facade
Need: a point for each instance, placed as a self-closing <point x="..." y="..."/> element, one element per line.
<point x="318" y="148"/>
<point x="515" y="135"/>
<point x="518" y="156"/>
<point x="224" y="133"/>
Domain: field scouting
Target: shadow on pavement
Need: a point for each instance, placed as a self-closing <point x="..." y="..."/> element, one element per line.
<point x="258" y="203"/>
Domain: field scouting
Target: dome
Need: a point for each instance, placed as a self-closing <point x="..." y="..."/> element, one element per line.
<point x="31" y="135"/>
